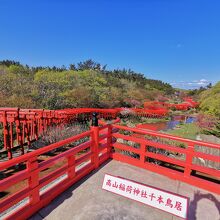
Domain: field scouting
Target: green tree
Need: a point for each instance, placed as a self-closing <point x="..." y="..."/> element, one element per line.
<point x="210" y="100"/>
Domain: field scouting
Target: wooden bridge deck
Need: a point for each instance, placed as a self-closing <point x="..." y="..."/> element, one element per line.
<point x="86" y="199"/>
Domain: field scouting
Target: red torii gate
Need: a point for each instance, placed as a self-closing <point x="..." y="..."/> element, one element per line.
<point x="22" y="126"/>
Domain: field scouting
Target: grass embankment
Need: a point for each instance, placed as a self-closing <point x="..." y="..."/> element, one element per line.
<point x="189" y="131"/>
<point x="190" y="112"/>
<point x="133" y="121"/>
<point x="155" y="120"/>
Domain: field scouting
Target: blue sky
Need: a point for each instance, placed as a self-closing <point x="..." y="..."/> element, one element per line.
<point x="177" y="41"/>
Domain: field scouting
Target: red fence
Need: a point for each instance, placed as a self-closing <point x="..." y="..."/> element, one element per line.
<point x="48" y="178"/>
<point x="41" y="188"/>
<point x="168" y="155"/>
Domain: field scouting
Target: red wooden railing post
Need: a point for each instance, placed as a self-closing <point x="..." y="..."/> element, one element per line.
<point x="109" y="140"/>
<point x="189" y="159"/>
<point x="71" y="167"/>
<point x="95" y="140"/>
<point x="142" y="153"/>
<point x="33" y="181"/>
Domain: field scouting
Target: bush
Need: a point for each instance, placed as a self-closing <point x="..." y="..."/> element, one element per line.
<point x="55" y="134"/>
<point x="209" y="124"/>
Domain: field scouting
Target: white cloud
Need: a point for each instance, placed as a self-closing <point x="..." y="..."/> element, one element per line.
<point x="203" y="80"/>
<point x="192" y="84"/>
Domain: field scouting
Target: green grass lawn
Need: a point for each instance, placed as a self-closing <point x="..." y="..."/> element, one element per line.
<point x="189" y="131"/>
<point x="154" y="120"/>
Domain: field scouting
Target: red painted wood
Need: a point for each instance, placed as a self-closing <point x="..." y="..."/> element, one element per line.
<point x="31" y="123"/>
<point x="35" y="183"/>
<point x="167" y="136"/>
<point x="187" y="164"/>
<point x="95" y="145"/>
<point x="126" y="148"/>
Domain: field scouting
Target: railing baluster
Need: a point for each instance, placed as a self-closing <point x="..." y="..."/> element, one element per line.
<point x="71" y="166"/>
<point x="109" y="140"/>
<point x="189" y="158"/>
<point x="142" y="153"/>
<point x="95" y="140"/>
<point x="95" y="145"/>
<point x="33" y="181"/>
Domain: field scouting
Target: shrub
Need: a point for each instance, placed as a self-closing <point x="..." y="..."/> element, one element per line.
<point x="55" y="134"/>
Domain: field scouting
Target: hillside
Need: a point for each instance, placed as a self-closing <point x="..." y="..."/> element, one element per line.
<point x="210" y="100"/>
<point x="87" y="84"/>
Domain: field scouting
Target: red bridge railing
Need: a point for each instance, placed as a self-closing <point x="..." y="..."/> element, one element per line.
<point x="172" y="156"/>
<point x="65" y="168"/>
<point x="43" y="180"/>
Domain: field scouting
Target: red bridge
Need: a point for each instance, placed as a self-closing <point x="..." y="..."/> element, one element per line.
<point x="192" y="162"/>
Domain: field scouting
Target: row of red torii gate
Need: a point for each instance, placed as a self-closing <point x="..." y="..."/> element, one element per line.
<point x="20" y="127"/>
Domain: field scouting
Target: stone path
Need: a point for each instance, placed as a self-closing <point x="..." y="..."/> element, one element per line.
<point x="87" y="201"/>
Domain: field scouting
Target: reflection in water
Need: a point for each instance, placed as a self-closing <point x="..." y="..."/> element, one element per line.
<point x="163" y="126"/>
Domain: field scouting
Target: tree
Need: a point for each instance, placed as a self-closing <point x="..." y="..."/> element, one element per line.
<point x="209" y="86"/>
<point x="8" y="63"/>
<point x="72" y="67"/>
<point x="88" y="85"/>
<point x="90" y="65"/>
<point x="210" y="100"/>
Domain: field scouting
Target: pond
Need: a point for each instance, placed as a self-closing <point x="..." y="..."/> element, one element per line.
<point x="167" y="125"/>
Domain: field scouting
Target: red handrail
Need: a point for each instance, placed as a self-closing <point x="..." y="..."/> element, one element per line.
<point x="172" y="137"/>
<point x="93" y="153"/>
<point x="142" y="156"/>
<point x="43" y="150"/>
<point x="75" y="167"/>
